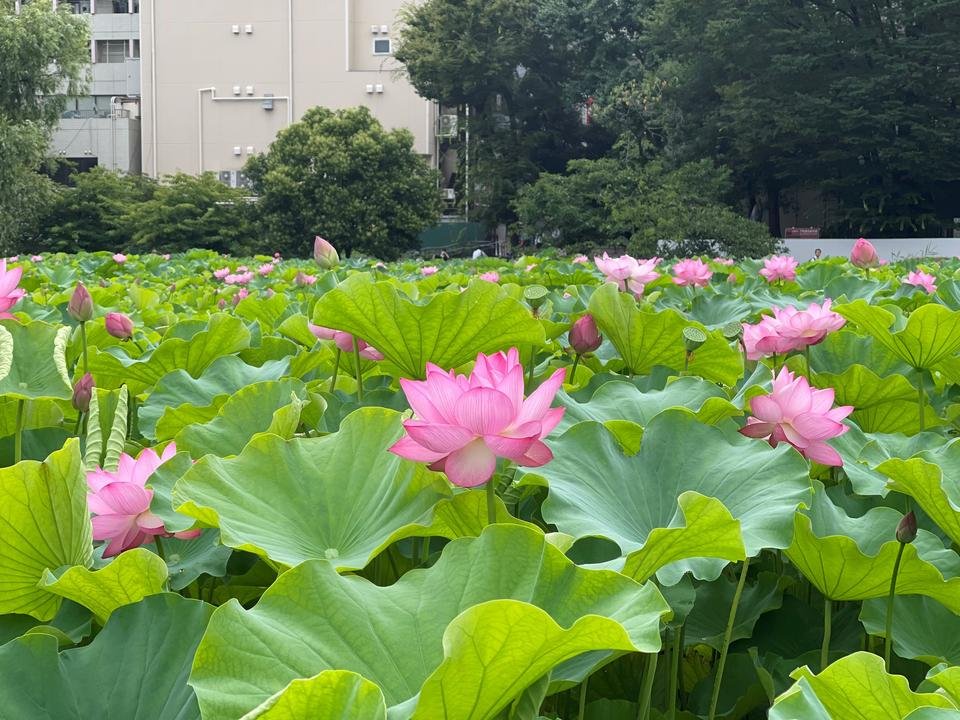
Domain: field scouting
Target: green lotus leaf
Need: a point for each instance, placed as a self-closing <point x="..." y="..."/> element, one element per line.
<point x="883" y="404"/>
<point x="597" y="490"/>
<point x="855" y="687"/>
<point x="338" y="497"/>
<point x="923" y="629"/>
<point x="932" y="713"/>
<point x="44" y="413"/>
<point x="184" y="348"/>
<point x="33" y="361"/>
<point x="707" y="622"/>
<point x="162" y="482"/>
<point x="312" y="619"/>
<point x="645" y="340"/>
<point x="130" y="577"/>
<point x="835" y="352"/>
<point x="272" y="406"/>
<point x="930" y="334"/>
<point x="852" y="558"/>
<point x="266" y="311"/>
<point x="44" y="524"/>
<point x="135" y="669"/>
<point x="948" y="679"/>
<point x="716" y="311"/>
<point x="189" y="559"/>
<point x="72" y="620"/>
<point x="449" y="330"/>
<point x="931" y="479"/>
<point x="297" y="328"/>
<point x="180" y="399"/>
<point x="330" y="695"/>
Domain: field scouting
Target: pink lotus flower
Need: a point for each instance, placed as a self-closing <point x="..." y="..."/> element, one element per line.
<point x="492" y="276"/>
<point x="923" y="280"/>
<point x="529" y="267"/>
<point x="166" y="256"/>
<point x="120" y="503"/>
<point x="797" y="414"/>
<point x="790" y="329"/>
<point x="864" y="254"/>
<point x="724" y="261"/>
<point x="238" y="278"/>
<point x="380" y="266"/>
<point x="36" y="258"/>
<point x="732" y="278"/>
<point x="10" y="294"/>
<point x="119" y="258"/>
<point x="628" y="272"/>
<point x="581" y="260"/>
<point x="265" y="269"/>
<point x="240" y="295"/>
<point x="119" y="325"/>
<point x="345" y="341"/>
<point x="221" y="273"/>
<point x="428" y="270"/>
<point x="692" y="272"/>
<point x="463" y="424"/>
<point x="303" y="279"/>
<point x="325" y="254"/>
<point x="13" y="258"/>
<point x="779" y="267"/>
<point x="584" y="336"/>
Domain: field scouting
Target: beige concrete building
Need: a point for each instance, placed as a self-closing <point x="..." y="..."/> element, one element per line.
<point x="220" y="78"/>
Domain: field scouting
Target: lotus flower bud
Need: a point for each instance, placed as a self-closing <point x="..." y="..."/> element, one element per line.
<point x="693" y="338"/>
<point x="119" y="326"/>
<point x="325" y="254"/>
<point x="584" y="336"/>
<point x="82" y="392"/>
<point x="80" y="306"/>
<point x="907" y="528"/>
<point x="864" y="254"/>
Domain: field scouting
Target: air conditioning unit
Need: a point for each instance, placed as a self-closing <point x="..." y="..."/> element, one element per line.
<point x="369" y="89"/>
<point x="449" y="194"/>
<point x="374" y="29"/>
<point x="447" y="126"/>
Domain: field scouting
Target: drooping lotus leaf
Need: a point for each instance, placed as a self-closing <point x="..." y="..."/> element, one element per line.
<point x="931" y="478"/>
<point x="33" y="361"/>
<point x="855" y="687"/>
<point x="195" y="399"/>
<point x="646" y="339"/>
<point x="329" y="695"/>
<point x="36" y="414"/>
<point x="707" y="622"/>
<point x="448" y="330"/>
<point x="338" y="497"/>
<point x="930" y="334"/>
<point x="44" y="524"/>
<point x="272" y="406"/>
<point x="597" y="490"/>
<point x="312" y="619"/>
<point x="848" y="558"/>
<point x="135" y="669"/>
<point x="223" y="335"/>
<point x="128" y="578"/>
<point x="189" y="559"/>
<point x="923" y="629"/>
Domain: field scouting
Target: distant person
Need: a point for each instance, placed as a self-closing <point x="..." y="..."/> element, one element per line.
<point x="478" y="253"/>
<point x="444" y="255"/>
<point x="816" y="254"/>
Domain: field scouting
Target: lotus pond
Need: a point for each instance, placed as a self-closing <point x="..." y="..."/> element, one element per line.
<point x="484" y="490"/>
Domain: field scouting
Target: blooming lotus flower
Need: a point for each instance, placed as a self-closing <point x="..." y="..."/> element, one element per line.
<point x="242" y="269"/>
<point x="581" y="260"/>
<point x="692" y="272"/>
<point x="724" y="261"/>
<point x="221" y="273"/>
<point x="120" y="503"/>
<point x="864" y="254"/>
<point x="779" y="267"/>
<point x="428" y="270"/>
<point x="240" y="295"/>
<point x="10" y="294"/>
<point x="325" y="254"/>
<point x="628" y="272"/>
<point x="790" y="329"/>
<point x="80" y="306"/>
<point x="36" y="258"/>
<point x="119" y="258"/>
<point x="345" y="341"/>
<point x="799" y="415"/>
<point x="166" y="256"/>
<point x="303" y="279"/>
<point x="13" y="258"/>
<point x="923" y="280"/>
<point x="584" y="336"/>
<point x="529" y="267"/>
<point x="492" y="276"/>
<point x="119" y="326"/>
<point x="238" y="278"/>
<point x="82" y="392"/>
<point x="463" y="424"/>
<point x="265" y="269"/>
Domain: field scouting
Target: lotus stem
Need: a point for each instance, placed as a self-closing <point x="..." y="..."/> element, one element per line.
<point x="646" y="691"/>
<point x="573" y="371"/>
<point x="83" y="346"/>
<point x="336" y="370"/>
<point x="675" y="672"/>
<point x="728" y="633"/>
<point x="18" y="435"/>
<point x="888" y="640"/>
<point x="921" y="397"/>
<point x="825" y="646"/>
<point x="356" y="359"/>
<point x="583" y="698"/>
<point x="424" y="551"/>
<point x="491" y="502"/>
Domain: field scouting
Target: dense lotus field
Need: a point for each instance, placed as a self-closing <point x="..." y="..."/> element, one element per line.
<point x="550" y="488"/>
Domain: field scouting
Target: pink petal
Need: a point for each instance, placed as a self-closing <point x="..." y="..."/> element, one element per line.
<point x="438" y="437"/>
<point x="471" y="465"/>
<point x="150" y="523"/>
<point x="509" y="447"/>
<point x="551" y="418"/>
<point x="484" y="411"/>
<point x="410" y="449"/>
<point x="816" y="427"/>
<point x="188" y="534"/>
<point x="419" y="397"/>
<point x="824" y="454"/>
<point x="766" y="409"/>
<point x="538" y="454"/>
<point x="126" y="498"/>
<point x="112" y="526"/>
<point x="757" y="429"/>
<point x="535" y="407"/>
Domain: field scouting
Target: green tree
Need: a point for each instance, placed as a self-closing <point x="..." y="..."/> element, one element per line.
<point x="43" y="55"/>
<point x="339" y="174"/>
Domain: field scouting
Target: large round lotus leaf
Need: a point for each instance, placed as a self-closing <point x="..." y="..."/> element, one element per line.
<point x="448" y="330"/>
<point x="330" y="695"/>
<point x="923" y="629"/>
<point x="135" y="669"/>
<point x="834" y="353"/>
<point x="338" y="497"/>
<point x="44" y="524"/>
<point x="183" y="348"/>
<point x="268" y="311"/>
<point x="33" y="361"/>
<point x="929" y="335"/>
<point x="312" y="619"/>
<point x="598" y="491"/>
<point x="853" y="688"/>
<point x="852" y="558"/>
<point x="272" y="406"/>
<point x="130" y="577"/>
<point x="646" y="339"/>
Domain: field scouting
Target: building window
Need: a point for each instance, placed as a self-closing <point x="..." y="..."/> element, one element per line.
<point x="381" y="46"/>
<point x="111" y="51"/>
<point x="135" y="48"/>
